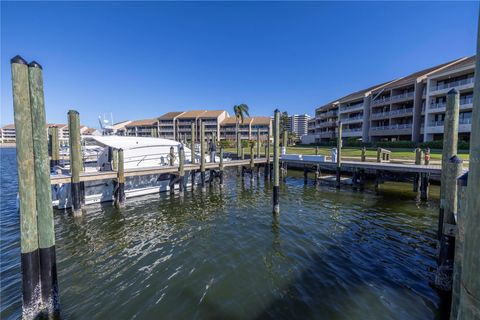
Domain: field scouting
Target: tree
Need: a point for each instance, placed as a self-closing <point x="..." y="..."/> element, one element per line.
<point x="240" y="112"/>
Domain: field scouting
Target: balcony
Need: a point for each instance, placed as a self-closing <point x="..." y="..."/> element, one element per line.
<point x="352" y="132"/>
<point x="352" y="119"/>
<point x="332" y="113"/>
<point x="354" y="107"/>
<point x="391" y="113"/>
<point x="326" y="124"/>
<point x="392" y="127"/>
<point x="395" y="98"/>
<point x="440" y="106"/>
<point x="458" y="83"/>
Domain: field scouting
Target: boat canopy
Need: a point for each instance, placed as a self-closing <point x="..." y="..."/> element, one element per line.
<point x="128" y="143"/>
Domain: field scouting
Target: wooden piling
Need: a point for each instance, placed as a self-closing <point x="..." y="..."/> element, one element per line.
<point x="424" y="186"/>
<point x="258" y="143"/>
<point x="192" y="147"/>
<point x="364" y="154"/>
<point x="75" y="160"/>
<point x="379" y="154"/>
<point x="462" y="183"/>
<point x="114" y="159"/>
<point x="46" y="231"/>
<point x="252" y="156"/>
<point x="181" y="169"/>
<point x="443" y="278"/>
<point x="339" y="153"/>
<point x="450" y="141"/>
<point x="469" y="307"/>
<point x="120" y="194"/>
<point x="316" y="151"/>
<point x="416" y="176"/>
<point x="221" y="165"/>
<point x="239" y="144"/>
<point x="54" y="147"/>
<point x="305" y="174"/>
<point x="202" y="155"/>
<point x="276" y="162"/>
<point x="268" y="167"/>
<point x="30" y="261"/>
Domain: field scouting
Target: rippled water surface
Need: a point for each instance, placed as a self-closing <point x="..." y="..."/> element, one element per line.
<point x="220" y="254"/>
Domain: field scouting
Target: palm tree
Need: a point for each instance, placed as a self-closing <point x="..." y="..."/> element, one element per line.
<point x="240" y="112"/>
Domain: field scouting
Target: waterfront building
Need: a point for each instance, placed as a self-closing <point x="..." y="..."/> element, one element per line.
<point x="396" y="110"/>
<point x="120" y="129"/>
<point x="7" y="133"/>
<point x="143" y="128"/>
<point x="248" y="128"/>
<point x="298" y="124"/>
<point x="167" y="125"/>
<point x="459" y="76"/>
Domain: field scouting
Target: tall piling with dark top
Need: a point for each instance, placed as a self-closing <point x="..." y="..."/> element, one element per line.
<point x="339" y="153"/>
<point x="469" y="306"/>
<point x="258" y="143"/>
<point x="276" y="162"/>
<point x="450" y="141"/>
<point x="252" y="156"/>
<point x="30" y="260"/>
<point x="202" y="154"/>
<point x="181" y="169"/>
<point x="120" y="194"/>
<point x="75" y="160"/>
<point x="54" y="147"/>
<point x="171" y="158"/>
<point x="192" y="153"/>
<point x="267" y="155"/>
<point x="416" y="176"/>
<point x="46" y="231"/>
<point x="221" y="165"/>
<point x="443" y="278"/>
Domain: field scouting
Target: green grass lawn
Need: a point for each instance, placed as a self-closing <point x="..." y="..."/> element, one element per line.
<point x="400" y="154"/>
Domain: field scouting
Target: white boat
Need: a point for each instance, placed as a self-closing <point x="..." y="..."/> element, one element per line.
<point x="139" y="152"/>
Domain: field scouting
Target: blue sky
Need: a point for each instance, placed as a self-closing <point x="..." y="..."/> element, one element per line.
<point x="140" y="60"/>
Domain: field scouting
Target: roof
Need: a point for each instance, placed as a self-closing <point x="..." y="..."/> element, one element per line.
<point x="191" y="114"/>
<point x="261" y="120"/>
<point x="9" y="126"/>
<point x="460" y="63"/>
<point x="58" y="125"/>
<point x="411" y="78"/>
<point x="212" y="113"/>
<point x="89" y="131"/>
<point x="360" y="94"/>
<point x="233" y="121"/>
<point x="170" y="115"/>
<point x="144" y="122"/>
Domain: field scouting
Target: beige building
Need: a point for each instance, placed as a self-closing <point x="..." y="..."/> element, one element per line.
<point x="248" y="129"/>
<point x="143" y="128"/>
<point x="7" y="134"/>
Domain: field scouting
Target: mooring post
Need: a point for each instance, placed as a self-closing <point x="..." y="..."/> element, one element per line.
<point x="268" y="168"/>
<point x="243" y="153"/>
<point x="75" y="160"/>
<point x="424" y="186"/>
<point x="379" y="154"/>
<point x="364" y="154"/>
<point x="443" y="278"/>
<point x="171" y="162"/>
<point x="305" y="174"/>
<point x="202" y="156"/>
<point x="46" y="231"/>
<point x="285" y="140"/>
<point x="258" y="143"/>
<point x="114" y="159"/>
<point x="317" y="175"/>
<point x="239" y="144"/>
<point x="316" y="150"/>
<point x="462" y="183"/>
<point x="192" y="147"/>
<point x="54" y="147"/>
<point x="181" y="169"/>
<point x="30" y="260"/>
<point x="120" y="194"/>
<point x="339" y="153"/>
<point x="221" y="165"/>
<point x="450" y="141"/>
<point x="418" y="161"/>
<point x="276" y="162"/>
<point x="252" y="161"/>
<point x="469" y="308"/>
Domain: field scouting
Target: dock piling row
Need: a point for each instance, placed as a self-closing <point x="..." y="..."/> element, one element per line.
<point x="75" y="161"/>
<point x="276" y="162"/>
<point x="120" y="193"/>
<point x="339" y="154"/>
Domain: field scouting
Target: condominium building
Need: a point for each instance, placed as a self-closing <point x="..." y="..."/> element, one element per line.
<point x="7" y="133"/>
<point x="167" y="125"/>
<point x="248" y="129"/>
<point x="211" y="120"/>
<point x="298" y="124"/>
<point x="396" y="110"/>
<point x="143" y="128"/>
<point x="459" y="76"/>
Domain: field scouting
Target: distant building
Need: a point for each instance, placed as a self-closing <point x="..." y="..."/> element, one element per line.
<point x="7" y="134"/>
<point x="298" y="124"/>
<point x="142" y="128"/>
<point x="119" y="128"/>
<point x="248" y="129"/>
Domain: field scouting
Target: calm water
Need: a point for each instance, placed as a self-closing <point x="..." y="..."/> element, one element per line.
<point x="220" y="254"/>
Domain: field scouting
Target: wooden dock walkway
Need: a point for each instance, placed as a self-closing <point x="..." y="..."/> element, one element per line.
<point x="105" y="175"/>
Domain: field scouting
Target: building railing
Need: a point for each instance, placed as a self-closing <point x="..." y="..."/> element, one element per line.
<point x="463" y="101"/>
<point x="392" y="113"/>
<point x="332" y="113"/>
<point x="351" y="130"/>
<point x="453" y="84"/>
<point x="351" y="119"/>
<point x="326" y="124"/>
<point x="352" y="107"/>
<point x="394" y="98"/>
<point x="393" y="127"/>
<point x="465" y="121"/>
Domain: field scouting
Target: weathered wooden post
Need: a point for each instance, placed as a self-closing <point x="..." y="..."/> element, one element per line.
<point x="424" y="185"/>
<point x="305" y="174"/>
<point x="258" y="143"/>
<point x="443" y="278"/>
<point x="221" y="165"/>
<point x="202" y="155"/>
<point x="462" y="183"/>
<point x="450" y="141"/>
<point x="115" y="159"/>
<point x="46" y="231"/>
<point x="416" y="176"/>
<point x="171" y="162"/>
<point x="75" y="160"/>
<point x="276" y="162"/>
<point x="192" y="154"/>
<point x="469" y="308"/>
<point x="363" y="157"/>
<point x="181" y="169"/>
<point x="239" y="144"/>
<point x="54" y="147"/>
<point x="379" y="154"/>
<point x="252" y="160"/>
<point x="285" y="140"/>
<point x="30" y="260"/>
<point x="243" y="153"/>
<point x="316" y="150"/>
<point x="120" y="194"/>
<point x="339" y="153"/>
